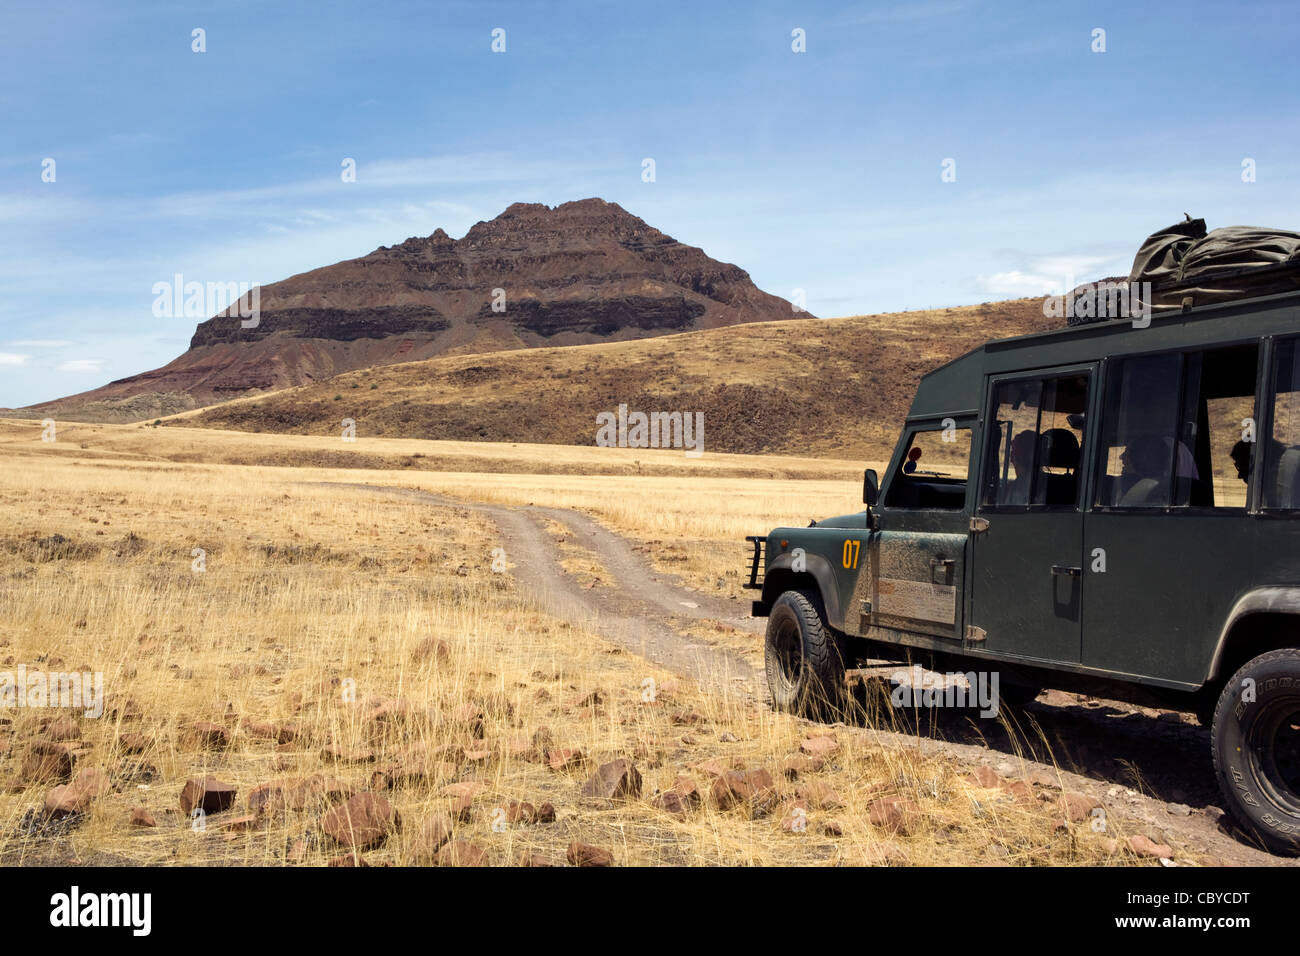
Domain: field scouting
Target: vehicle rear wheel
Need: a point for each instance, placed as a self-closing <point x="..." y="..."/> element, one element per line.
<point x="805" y="657"/>
<point x="1256" y="747"/>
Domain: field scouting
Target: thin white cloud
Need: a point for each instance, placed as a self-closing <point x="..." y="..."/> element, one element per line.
<point x="78" y="366"/>
<point x="11" y="359"/>
<point x="1018" y="285"/>
<point x="41" y="343"/>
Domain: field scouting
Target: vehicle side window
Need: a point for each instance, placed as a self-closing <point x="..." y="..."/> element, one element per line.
<point x="1281" y="481"/>
<point x="1218" y="426"/>
<point x="933" y="472"/>
<point x="1139" y="424"/>
<point x="1035" y="442"/>
<point x="1175" y="430"/>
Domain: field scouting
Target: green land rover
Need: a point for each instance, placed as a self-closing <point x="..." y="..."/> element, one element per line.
<point x="1112" y="508"/>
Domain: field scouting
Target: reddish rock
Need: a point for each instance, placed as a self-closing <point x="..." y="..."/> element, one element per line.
<point x="239" y="824"/>
<point x="465" y="788"/>
<point x="1145" y="846"/>
<point x="750" y="787"/>
<point x="76" y="797"/>
<point x="518" y="812"/>
<point x="461" y="853"/>
<point x="60" y="728"/>
<point x="679" y="799"/>
<point x="434" y="833"/>
<point x="895" y="814"/>
<point x="986" y="778"/>
<point x="132" y="743"/>
<point x="616" y="780"/>
<point x="209" y="736"/>
<point x="819" y="746"/>
<point x="365" y="821"/>
<point x="546" y="813"/>
<point x="348" y="860"/>
<point x="567" y="758"/>
<point x="535" y="860"/>
<point x="47" y="760"/>
<point x="818" y="795"/>
<point x="584" y="854"/>
<point x="1078" y="807"/>
<point x="207" y="793"/>
<point x="797" y="765"/>
<point x="140" y="817"/>
<point x="261" y="731"/>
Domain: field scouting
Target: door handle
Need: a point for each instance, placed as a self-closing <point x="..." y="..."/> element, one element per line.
<point x="1070" y="572"/>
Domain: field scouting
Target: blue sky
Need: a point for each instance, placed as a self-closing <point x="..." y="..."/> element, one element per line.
<point x="818" y="170"/>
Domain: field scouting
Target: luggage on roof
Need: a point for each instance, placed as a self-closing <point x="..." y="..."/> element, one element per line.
<point x="1188" y="266"/>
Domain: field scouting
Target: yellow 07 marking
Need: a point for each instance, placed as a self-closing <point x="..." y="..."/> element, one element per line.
<point x="851" y="550"/>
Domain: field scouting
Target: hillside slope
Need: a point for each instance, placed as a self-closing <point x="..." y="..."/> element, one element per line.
<point x="581" y="272"/>
<point x="825" y="387"/>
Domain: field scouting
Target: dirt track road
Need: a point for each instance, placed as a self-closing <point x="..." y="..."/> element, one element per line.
<point x="1151" y="766"/>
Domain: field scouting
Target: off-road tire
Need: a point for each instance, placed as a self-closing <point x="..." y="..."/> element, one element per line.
<point x="804" y="657"/>
<point x="1256" y="748"/>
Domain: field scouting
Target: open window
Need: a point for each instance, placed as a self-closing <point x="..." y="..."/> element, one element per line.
<point x="934" y="470"/>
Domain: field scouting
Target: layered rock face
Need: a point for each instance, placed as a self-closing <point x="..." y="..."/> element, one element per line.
<point x="578" y="273"/>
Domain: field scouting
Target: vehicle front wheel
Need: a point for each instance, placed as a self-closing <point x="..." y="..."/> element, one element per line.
<point x="1256" y="746"/>
<point x="805" y="657"/>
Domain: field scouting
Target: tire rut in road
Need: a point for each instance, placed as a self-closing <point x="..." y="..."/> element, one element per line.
<point x="638" y="611"/>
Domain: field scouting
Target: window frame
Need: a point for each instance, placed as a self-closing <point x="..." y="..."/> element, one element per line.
<point x="1090" y="371"/>
<point x="1265" y="405"/>
<point x="1263" y="368"/>
<point x="965" y="421"/>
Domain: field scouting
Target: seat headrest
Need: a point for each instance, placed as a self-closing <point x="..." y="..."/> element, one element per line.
<point x="1058" y="448"/>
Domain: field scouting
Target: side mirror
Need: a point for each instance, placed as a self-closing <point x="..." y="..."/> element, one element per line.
<point x="870" y="488"/>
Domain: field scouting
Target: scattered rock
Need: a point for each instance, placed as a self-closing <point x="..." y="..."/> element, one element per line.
<point x="208" y="794"/>
<point x="209" y="736"/>
<point x="47" y="760"/>
<point x="1145" y="846"/>
<point x="819" y="796"/>
<point x="434" y="833"/>
<point x="819" y="746"/>
<point x="896" y="814"/>
<point x="584" y="854"/>
<point x="750" y="787"/>
<point x="76" y="797"/>
<point x="567" y="758"/>
<point x="1078" y="807"/>
<point x="461" y="853"/>
<point x="616" y="780"/>
<point x="362" y="823"/>
<point x="985" y="777"/>
<point x="140" y="817"/>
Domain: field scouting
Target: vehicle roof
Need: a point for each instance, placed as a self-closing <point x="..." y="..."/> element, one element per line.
<point x="956" y="387"/>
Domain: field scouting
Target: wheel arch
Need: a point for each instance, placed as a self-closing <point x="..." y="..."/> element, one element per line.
<point x="1265" y="619"/>
<point x="818" y="577"/>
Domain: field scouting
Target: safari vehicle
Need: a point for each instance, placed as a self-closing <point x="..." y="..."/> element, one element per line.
<point x="1108" y="509"/>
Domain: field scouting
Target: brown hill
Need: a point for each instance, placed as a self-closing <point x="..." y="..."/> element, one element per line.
<point x="582" y="272"/>
<point x="826" y="387"/>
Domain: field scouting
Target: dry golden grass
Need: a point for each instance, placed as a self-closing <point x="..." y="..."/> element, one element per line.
<point x="305" y="586"/>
